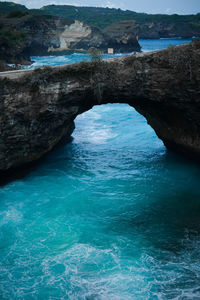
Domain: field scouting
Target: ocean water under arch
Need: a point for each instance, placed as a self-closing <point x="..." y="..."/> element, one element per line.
<point x="112" y="215"/>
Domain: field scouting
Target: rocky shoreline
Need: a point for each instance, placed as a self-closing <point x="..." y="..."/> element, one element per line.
<point x="38" y="36"/>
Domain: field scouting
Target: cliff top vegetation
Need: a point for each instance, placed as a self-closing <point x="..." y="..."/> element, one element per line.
<point x="99" y="16"/>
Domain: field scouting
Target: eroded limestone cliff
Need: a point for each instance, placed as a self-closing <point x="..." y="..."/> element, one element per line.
<point x="29" y="35"/>
<point x="38" y="107"/>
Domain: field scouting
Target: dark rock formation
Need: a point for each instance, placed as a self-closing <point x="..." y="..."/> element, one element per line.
<point x="26" y="36"/>
<point x="124" y="35"/>
<point x="42" y="33"/>
<point x="153" y="30"/>
<point x="102" y="41"/>
<point x="157" y="30"/>
<point x="38" y="107"/>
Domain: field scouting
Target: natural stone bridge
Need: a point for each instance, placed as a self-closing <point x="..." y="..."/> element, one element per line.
<point x="37" y="108"/>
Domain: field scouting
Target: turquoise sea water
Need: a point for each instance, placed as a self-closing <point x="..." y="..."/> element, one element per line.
<point x="112" y="215"/>
<point x="147" y="45"/>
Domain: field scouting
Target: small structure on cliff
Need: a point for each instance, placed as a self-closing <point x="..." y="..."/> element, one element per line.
<point x="110" y="51"/>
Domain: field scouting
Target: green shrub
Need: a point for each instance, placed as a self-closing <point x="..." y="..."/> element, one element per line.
<point x="17" y="14"/>
<point x="95" y="54"/>
<point x="12" y="38"/>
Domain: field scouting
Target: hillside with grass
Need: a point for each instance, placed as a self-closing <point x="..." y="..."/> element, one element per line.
<point x="146" y="26"/>
<point x="103" y="17"/>
<point x="6" y="7"/>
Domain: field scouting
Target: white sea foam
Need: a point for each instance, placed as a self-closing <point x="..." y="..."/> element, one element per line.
<point x="12" y="215"/>
<point x="93" y="131"/>
<point x="93" y="135"/>
<point x="90" y="115"/>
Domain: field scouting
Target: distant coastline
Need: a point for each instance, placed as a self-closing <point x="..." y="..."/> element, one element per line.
<point x="64" y="29"/>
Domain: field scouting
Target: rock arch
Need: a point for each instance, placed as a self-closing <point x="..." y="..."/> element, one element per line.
<point x="38" y="107"/>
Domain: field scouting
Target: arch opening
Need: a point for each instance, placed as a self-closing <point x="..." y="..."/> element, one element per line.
<point x="114" y="124"/>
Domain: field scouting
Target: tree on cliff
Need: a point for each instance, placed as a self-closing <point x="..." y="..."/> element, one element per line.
<point x="95" y="54"/>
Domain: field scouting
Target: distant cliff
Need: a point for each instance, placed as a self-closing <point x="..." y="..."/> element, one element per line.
<point x="78" y="36"/>
<point x="23" y="34"/>
<point x="153" y="29"/>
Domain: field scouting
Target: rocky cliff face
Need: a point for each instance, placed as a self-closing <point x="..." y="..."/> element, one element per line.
<point x="157" y="30"/>
<point x="153" y="30"/>
<point x="38" y="107"/>
<point x="79" y="36"/>
<point x="73" y="34"/>
<point x="124" y="33"/>
<point x="29" y="35"/>
<point x="41" y="34"/>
